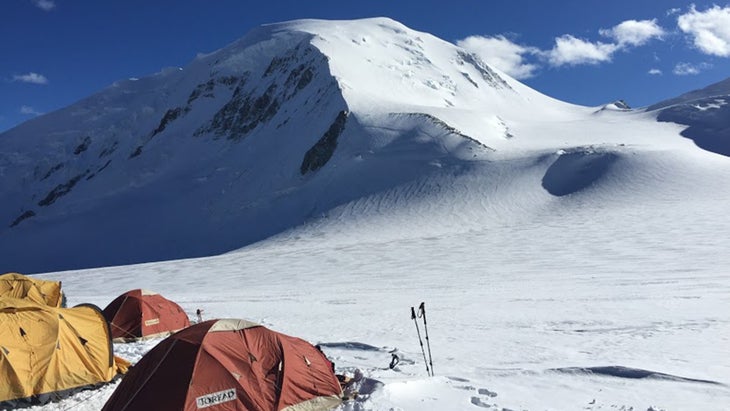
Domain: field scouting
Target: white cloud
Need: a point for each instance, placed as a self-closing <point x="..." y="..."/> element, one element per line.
<point x="28" y="110"/>
<point x="710" y="29"/>
<point x="655" y="72"/>
<point x="673" y="11"/>
<point x="634" y="33"/>
<point x="45" y="5"/>
<point x="688" y="69"/>
<point x="569" y="50"/>
<point x="33" y="78"/>
<point x="502" y="53"/>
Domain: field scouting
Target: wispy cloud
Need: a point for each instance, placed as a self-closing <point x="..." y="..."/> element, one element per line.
<point x="689" y="69"/>
<point x="673" y="11"/>
<point x="709" y="29"/>
<point x="503" y="54"/>
<point x="28" y="110"/>
<point x="572" y="51"/>
<point x="634" y="32"/>
<point x="655" y="72"/>
<point x="45" y="5"/>
<point x="33" y="78"/>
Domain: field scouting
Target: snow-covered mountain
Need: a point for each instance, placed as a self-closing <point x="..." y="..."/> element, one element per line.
<point x="571" y="258"/>
<point x="282" y="127"/>
<point x="706" y="112"/>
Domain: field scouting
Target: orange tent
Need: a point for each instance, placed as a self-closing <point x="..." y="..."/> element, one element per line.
<point x="48" y="353"/>
<point x="232" y="365"/>
<point x="31" y="288"/>
<point x="139" y="314"/>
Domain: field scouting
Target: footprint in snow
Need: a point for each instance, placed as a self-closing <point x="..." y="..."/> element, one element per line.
<point x="479" y="403"/>
<point x="484" y="393"/>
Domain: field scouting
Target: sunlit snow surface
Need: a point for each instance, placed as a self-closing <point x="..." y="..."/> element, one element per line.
<point x="523" y="294"/>
<point x="570" y="258"/>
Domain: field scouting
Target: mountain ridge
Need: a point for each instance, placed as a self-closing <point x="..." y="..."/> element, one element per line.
<point x="277" y="128"/>
<point x="705" y="112"/>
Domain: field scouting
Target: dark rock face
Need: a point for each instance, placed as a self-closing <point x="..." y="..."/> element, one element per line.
<point x="99" y="170"/>
<point x="207" y="89"/>
<point x="83" y="146"/>
<point x="257" y="96"/>
<point x="244" y="112"/>
<point x="452" y="130"/>
<point x="26" y="215"/>
<point x="489" y="75"/>
<point x="317" y="156"/>
<point x="622" y="105"/>
<point x="52" y="170"/>
<point x="107" y="151"/>
<point x="61" y="190"/>
<point x="203" y="89"/>
<point x="137" y="151"/>
<point x="169" y="116"/>
<point x="257" y="100"/>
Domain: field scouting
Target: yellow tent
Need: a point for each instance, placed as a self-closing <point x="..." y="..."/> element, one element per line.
<point x="48" y="353"/>
<point x="39" y="291"/>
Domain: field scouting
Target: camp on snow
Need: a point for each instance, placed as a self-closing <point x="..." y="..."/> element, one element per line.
<point x="39" y="291"/>
<point x="231" y="364"/>
<point x="140" y="314"/>
<point x="48" y="353"/>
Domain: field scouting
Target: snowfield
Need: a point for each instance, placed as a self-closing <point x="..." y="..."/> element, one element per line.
<point x="523" y="296"/>
<point x="570" y="258"/>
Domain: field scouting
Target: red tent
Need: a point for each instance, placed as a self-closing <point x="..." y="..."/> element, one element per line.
<point x="139" y="314"/>
<point x="229" y="365"/>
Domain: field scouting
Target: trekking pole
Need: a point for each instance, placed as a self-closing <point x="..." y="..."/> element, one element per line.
<point x="418" y="331"/>
<point x="422" y="313"/>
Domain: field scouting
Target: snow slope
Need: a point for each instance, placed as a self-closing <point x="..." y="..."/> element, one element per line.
<point x="570" y="257"/>
<point x="265" y="134"/>
<point x="611" y="298"/>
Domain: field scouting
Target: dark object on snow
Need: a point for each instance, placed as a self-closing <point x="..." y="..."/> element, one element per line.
<point x="420" y="341"/>
<point x="394" y="360"/>
<point x="422" y="313"/>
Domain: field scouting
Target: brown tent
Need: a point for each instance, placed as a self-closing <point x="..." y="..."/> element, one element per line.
<point x="30" y="288"/>
<point x="229" y="365"/>
<point x="139" y="314"/>
<point x="48" y="353"/>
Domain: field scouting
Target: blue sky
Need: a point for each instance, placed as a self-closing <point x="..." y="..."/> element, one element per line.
<point x="55" y="52"/>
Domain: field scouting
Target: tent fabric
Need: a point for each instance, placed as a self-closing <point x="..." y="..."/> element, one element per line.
<point x="227" y="365"/>
<point x="48" y="353"/>
<point x="140" y="314"/>
<point x="34" y="289"/>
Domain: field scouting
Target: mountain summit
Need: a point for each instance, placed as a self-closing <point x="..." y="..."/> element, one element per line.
<point x="280" y="128"/>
